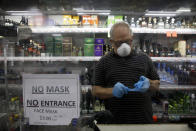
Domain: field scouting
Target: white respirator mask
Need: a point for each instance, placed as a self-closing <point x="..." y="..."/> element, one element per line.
<point x="124" y="50"/>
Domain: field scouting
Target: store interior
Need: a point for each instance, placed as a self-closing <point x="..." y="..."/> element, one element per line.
<point x="57" y="37"/>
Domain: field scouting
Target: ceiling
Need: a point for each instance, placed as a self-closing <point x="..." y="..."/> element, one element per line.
<point x="114" y="5"/>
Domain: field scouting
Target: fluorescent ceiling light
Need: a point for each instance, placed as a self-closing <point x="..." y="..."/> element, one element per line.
<point x="161" y="13"/>
<point x="93" y="13"/>
<point x="24" y="13"/>
<point x="182" y="9"/>
<point x="81" y="11"/>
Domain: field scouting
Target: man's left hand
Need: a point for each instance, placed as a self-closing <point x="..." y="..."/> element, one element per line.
<point x="142" y="85"/>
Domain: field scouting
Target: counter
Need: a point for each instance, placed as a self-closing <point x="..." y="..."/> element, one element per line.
<point x="146" y="127"/>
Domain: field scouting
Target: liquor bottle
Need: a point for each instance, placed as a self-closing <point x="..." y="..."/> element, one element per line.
<point x="167" y="77"/>
<point x="188" y="23"/>
<point x="150" y="22"/>
<point x="183" y="25"/>
<point x="80" y="52"/>
<point x="43" y="52"/>
<point x="171" y="52"/>
<point x="194" y="22"/>
<point x="74" y="51"/>
<point x="144" y="48"/>
<point x="188" y="50"/>
<point x="161" y="23"/>
<point x="11" y="52"/>
<point x="154" y="23"/>
<point x="147" y="43"/>
<point x="153" y="49"/>
<point x="172" y="77"/>
<point x="165" y="51"/>
<point x="151" y="53"/>
<point x="109" y="48"/>
<point x="35" y="49"/>
<point x="159" y="71"/>
<point x="159" y="48"/>
<point x="180" y="75"/>
<point x="22" y="22"/>
<point x="143" y="23"/>
<point x="30" y="48"/>
<point x="138" y="22"/>
<point x="125" y="19"/>
<point x="102" y="107"/>
<point x="186" y="76"/>
<point x="84" y="103"/>
<point x="172" y="26"/>
<point x="164" y="73"/>
<point x="176" y="76"/>
<point x="193" y="103"/>
<point x="167" y="25"/>
<point x="178" y="22"/>
<point x="156" y="51"/>
<point x="165" y="116"/>
<point x="104" y="49"/>
<point x="88" y="100"/>
<point x="97" y="106"/>
<point x="6" y="22"/>
<point x="132" y="23"/>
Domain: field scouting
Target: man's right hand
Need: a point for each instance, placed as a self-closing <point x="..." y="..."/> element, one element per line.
<point x="119" y="90"/>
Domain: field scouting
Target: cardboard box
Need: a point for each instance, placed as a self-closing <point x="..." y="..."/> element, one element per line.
<point x="67" y="40"/>
<point x="110" y="21"/>
<point x="118" y="18"/>
<point x="182" y="47"/>
<point x="86" y="20"/>
<point x="67" y="19"/>
<point x="75" y="20"/>
<point x="89" y="50"/>
<point x="48" y="39"/>
<point x="67" y="49"/>
<point x="49" y="47"/>
<point x="99" y="41"/>
<point x="94" y="20"/>
<point x="58" y="49"/>
<point x="98" y="51"/>
<point x="89" y="40"/>
<point x="58" y="39"/>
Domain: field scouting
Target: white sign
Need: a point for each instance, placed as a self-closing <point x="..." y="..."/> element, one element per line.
<point x="51" y="99"/>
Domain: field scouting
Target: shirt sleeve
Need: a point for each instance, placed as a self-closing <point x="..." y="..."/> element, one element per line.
<point x="100" y="73"/>
<point x="151" y="71"/>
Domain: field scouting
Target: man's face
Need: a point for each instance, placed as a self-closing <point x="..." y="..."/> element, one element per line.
<point x="120" y="35"/>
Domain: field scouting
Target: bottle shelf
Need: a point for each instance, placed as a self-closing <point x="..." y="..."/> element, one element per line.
<point x="179" y="116"/>
<point x="162" y="87"/>
<point x="64" y="29"/>
<point x="177" y="87"/>
<point x="91" y="58"/>
<point x="65" y="58"/>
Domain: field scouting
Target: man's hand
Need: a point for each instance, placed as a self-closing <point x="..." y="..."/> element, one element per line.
<point x="154" y="85"/>
<point x="119" y="90"/>
<point x="142" y="85"/>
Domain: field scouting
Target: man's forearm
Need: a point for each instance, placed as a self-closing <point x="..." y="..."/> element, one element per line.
<point x="154" y="85"/>
<point x="101" y="92"/>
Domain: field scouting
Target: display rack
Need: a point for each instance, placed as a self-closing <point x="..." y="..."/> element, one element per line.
<point x="72" y="29"/>
<point x="162" y="87"/>
<point x="91" y="58"/>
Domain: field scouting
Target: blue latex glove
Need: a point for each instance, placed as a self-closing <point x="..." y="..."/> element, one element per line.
<point x="119" y="90"/>
<point x="142" y="85"/>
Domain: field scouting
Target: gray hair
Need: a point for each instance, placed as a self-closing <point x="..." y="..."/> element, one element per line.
<point x="122" y="23"/>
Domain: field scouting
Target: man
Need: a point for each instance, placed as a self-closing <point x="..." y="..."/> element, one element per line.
<point x="125" y="79"/>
